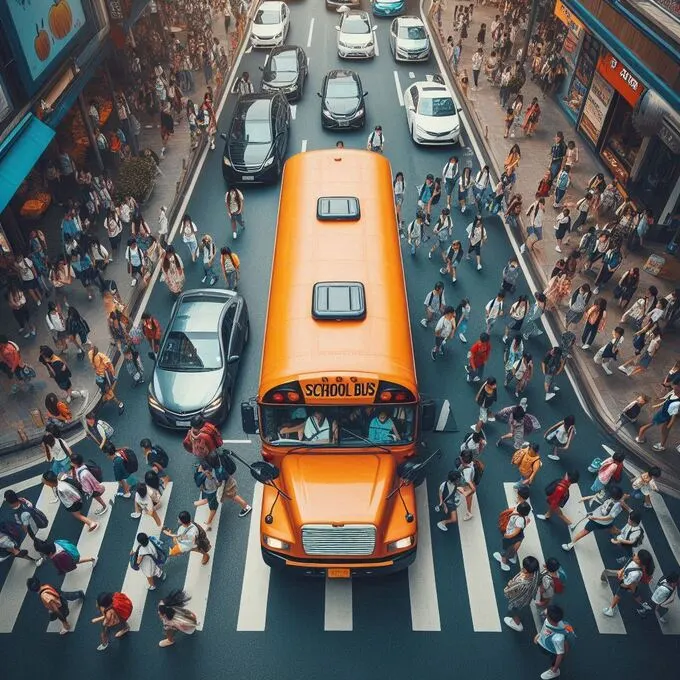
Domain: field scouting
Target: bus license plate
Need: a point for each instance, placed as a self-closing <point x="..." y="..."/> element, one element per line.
<point x="248" y="178"/>
<point x="338" y="572"/>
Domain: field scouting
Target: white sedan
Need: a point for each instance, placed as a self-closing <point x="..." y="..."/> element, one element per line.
<point x="355" y="36"/>
<point x="431" y="113"/>
<point x="270" y="24"/>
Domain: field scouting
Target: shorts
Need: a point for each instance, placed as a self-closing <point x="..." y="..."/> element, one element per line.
<point x="645" y="359"/>
<point x="457" y="257"/>
<point x="509" y="542"/>
<point x="59" y="466"/>
<point x="58" y="336"/>
<point x="596" y="526"/>
<point x="450" y="505"/>
<point x="398" y="199"/>
<point x="134" y="269"/>
<point x="476" y="249"/>
<point x="462" y="195"/>
<point x="97" y="494"/>
<point x="536" y="231"/>
<point x="514" y="324"/>
<point x="448" y="186"/>
<point x="32" y="284"/>
<point x="76" y="507"/>
<point x="213" y="503"/>
<point x="230" y="489"/>
<point x="660" y="418"/>
<point x="438" y="340"/>
<point x="64" y="384"/>
<point x="483" y="414"/>
<point x="552" y="437"/>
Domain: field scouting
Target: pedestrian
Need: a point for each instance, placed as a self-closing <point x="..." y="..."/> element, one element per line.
<point x="467" y="487"/>
<point x="208" y="483"/>
<point x="78" y="330"/>
<point x="480" y="186"/>
<point x="474" y="442"/>
<point x="494" y="310"/>
<point x="58" y="453"/>
<point x="96" y="429"/>
<point x="516" y="315"/>
<point x="462" y="318"/>
<point x="531" y="117"/>
<point x="477" y="61"/>
<point x="230" y="266"/>
<point x="554" y="638"/>
<point x="59" y="372"/>
<point x="62" y="553"/>
<point x="175" y="617"/>
<point x="55" y="601"/>
<point x="595" y="320"/>
<point x="449" y="176"/>
<point x="414" y="232"/>
<point x="602" y="517"/>
<point x="477" y="357"/>
<point x="28" y="275"/>
<point x="609" y="470"/>
<point x="114" y="230"/>
<point x="560" y="435"/>
<point x="476" y="237"/>
<point x="510" y="275"/>
<point x="646" y="342"/>
<point x="172" y="271"/>
<point x="29" y="518"/>
<point x="136" y="261"/>
<point x="626" y="287"/>
<point x="504" y="92"/>
<point x="442" y="230"/>
<point x="639" y="569"/>
<point x="425" y="197"/>
<point x="520" y="591"/>
<point x="557" y="495"/>
<point x="18" y="304"/>
<point x="512" y="353"/>
<point x="602" y="245"/>
<point x="516" y="428"/>
<point x="189" y="537"/>
<point x="189" y="230"/>
<point x="105" y="376"/>
<point x="225" y="468"/>
<point x="513" y="535"/>
<point x="123" y="461"/>
<point x="202" y="438"/>
<point x="644" y="484"/>
<point x="452" y="257"/>
<point x="147" y="501"/>
<point x="235" y="203"/>
<point x="114" y="612"/>
<point x="485" y="399"/>
<point x="376" y="140"/>
<point x="628" y="537"/>
<point x="583" y="208"/>
<point x="561" y="185"/>
<point x="149" y="557"/>
<point x="151" y="330"/>
<point x="508" y="121"/>
<point x="209" y="251"/>
<point x="464" y="187"/>
<point x="435" y="304"/>
<point x="399" y="189"/>
<point x="610" y="263"/>
<point x="551" y="582"/>
<point x="552" y="365"/>
<point x="558" y="151"/>
<point x="167" y="126"/>
<point x="244" y="85"/>
<point x="56" y="324"/>
<point x="119" y="328"/>
<point x="163" y="227"/>
<point x="610" y="352"/>
<point x="528" y="462"/>
<point x="156" y="458"/>
<point x="70" y="494"/>
<point x="662" y="596"/>
<point x="577" y="305"/>
<point x="11" y="537"/>
<point x="58" y="411"/>
<point x="90" y="485"/>
<point x="535" y="213"/>
<point x="562" y="228"/>
<point x="444" y="331"/>
<point x="665" y="417"/>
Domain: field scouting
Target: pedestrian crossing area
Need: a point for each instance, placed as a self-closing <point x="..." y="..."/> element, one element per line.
<point x="428" y="581"/>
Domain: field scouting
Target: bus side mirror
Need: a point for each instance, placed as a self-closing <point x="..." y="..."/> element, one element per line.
<point x="428" y="414"/>
<point x="248" y="418"/>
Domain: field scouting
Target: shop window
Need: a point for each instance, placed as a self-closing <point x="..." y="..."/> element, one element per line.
<point x="583" y="74"/>
<point x="623" y="141"/>
<point x="657" y="177"/>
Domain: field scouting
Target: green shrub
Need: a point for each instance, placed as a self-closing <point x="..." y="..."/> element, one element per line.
<point x="136" y="178"/>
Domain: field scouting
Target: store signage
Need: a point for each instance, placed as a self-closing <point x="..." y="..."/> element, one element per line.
<point x="115" y="10"/>
<point x="595" y="109"/>
<point x="622" y="79"/>
<point x="568" y="18"/>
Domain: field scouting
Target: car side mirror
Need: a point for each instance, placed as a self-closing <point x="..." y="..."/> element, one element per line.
<point x="248" y="418"/>
<point x="428" y="414"/>
<point x="233" y="359"/>
<point x="224" y="136"/>
<point x="375" y="28"/>
<point x="365" y="94"/>
<point x="337" y="28"/>
<point x="261" y="68"/>
<point x="318" y="94"/>
<point x="460" y="110"/>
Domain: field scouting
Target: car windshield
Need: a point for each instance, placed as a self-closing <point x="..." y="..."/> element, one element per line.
<point x="412" y="32"/>
<point x="191" y="351"/>
<point x="436" y="107"/>
<point x="284" y="63"/>
<point x="342" y="88"/>
<point x="267" y="17"/>
<point x="355" y="25"/>
<point x="338" y="425"/>
<point x="252" y="123"/>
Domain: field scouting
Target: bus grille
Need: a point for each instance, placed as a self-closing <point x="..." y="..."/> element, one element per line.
<point x="326" y="539"/>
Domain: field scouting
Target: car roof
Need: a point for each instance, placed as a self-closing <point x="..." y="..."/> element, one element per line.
<point x="342" y="73"/>
<point x="280" y="49"/>
<point x="199" y="311"/>
<point x="431" y="90"/>
<point x="409" y="21"/>
<point x="267" y="97"/>
<point x="271" y="4"/>
<point x="357" y="13"/>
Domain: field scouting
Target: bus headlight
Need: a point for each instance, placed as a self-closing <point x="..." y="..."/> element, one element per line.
<point x="275" y="543"/>
<point x="402" y="543"/>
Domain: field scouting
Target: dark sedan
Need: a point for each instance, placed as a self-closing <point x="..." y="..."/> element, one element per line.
<point x="256" y="145"/>
<point x="199" y="358"/>
<point x="342" y="100"/>
<point x="285" y="71"/>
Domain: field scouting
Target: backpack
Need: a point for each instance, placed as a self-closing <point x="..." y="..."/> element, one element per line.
<point x="161" y="456"/>
<point x="235" y="260"/>
<point x="566" y="629"/>
<point x="479" y="471"/>
<point x="199" y="476"/>
<point x="13" y="532"/>
<point x="641" y="537"/>
<point x="122" y="605"/>
<point x="74" y="484"/>
<point x="215" y="435"/>
<point x="202" y="541"/>
<point x="552" y="487"/>
<point x="69" y="548"/>
<point x="161" y="550"/>
<point x="129" y="458"/>
<point x="227" y="462"/>
<point x="95" y="470"/>
<point x="38" y="516"/>
<point x="504" y="518"/>
<point x="561" y="581"/>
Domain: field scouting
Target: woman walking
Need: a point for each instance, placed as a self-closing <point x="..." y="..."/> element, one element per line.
<point x="175" y="617"/>
<point x="610" y="263"/>
<point x="18" y="304"/>
<point x="531" y="118"/>
<point x="639" y="569"/>
<point x="652" y="339"/>
<point x="523" y="373"/>
<point x="230" y="266"/>
<point x="114" y="230"/>
<point x="105" y="376"/>
<point x="476" y="236"/>
<point x="399" y="188"/>
<point x="534" y="314"/>
<point x="577" y="305"/>
<point x="514" y="157"/>
<point x="464" y="184"/>
<point x="595" y="319"/>
<point x="560" y="435"/>
<point x="119" y="326"/>
<point x="627" y="286"/>
<point x="189" y="230"/>
<point x="172" y="271"/>
<point x="516" y="316"/>
<point x="535" y="213"/>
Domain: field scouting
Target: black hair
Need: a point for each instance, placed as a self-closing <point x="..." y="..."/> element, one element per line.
<point x="530" y="564"/>
<point x="104" y="600"/>
<point x="619" y="456"/>
<point x="551" y="564"/>
<point x="142" y="539"/>
<point x="184" y="517"/>
<point x="44" y="547"/>
<point x="654" y="471"/>
<point x="569" y="421"/>
<point x="616" y="492"/>
<point x="524" y="491"/>
<point x="197" y="421"/>
<point x="484" y="337"/>
<point x="573" y="476"/>
<point x="466" y="457"/>
<point x="141" y="489"/>
<point x="33" y="584"/>
<point x="76" y="459"/>
<point x="109" y="448"/>
<point x="554" y="613"/>
<point x="172" y="601"/>
<point x="636" y="516"/>
<point x="145" y="443"/>
<point x="647" y="561"/>
<point x="11" y="497"/>
<point x="523" y="509"/>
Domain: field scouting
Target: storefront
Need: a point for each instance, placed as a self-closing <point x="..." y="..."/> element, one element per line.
<point x="572" y="92"/>
<point x="584" y="70"/>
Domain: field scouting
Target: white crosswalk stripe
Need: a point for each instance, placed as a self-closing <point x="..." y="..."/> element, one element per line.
<point x="338" y="605"/>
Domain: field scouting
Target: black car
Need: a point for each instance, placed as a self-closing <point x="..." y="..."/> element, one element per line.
<point x="285" y="71"/>
<point x="342" y="100"/>
<point x="199" y="358"/>
<point x="258" y="138"/>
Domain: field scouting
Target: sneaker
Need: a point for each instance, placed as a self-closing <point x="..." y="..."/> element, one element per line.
<point x="623" y="369"/>
<point x="585" y="346"/>
<point x="510" y="623"/>
<point x="609" y="611"/>
<point x="476" y="379"/>
<point x="453" y="280"/>
<point x="69" y="399"/>
<point x="234" y="234"/>
<point x="204" y="279"/>
<point x="102" y="511"/>
<point x="94" y="562"/>
<point x="461" y="337"/>
<point x="429" y="255"/>
<point x="151" y="587"/>
<point x="244" y="511"/>
<point x="512" y="560"/>
<point x="543" y="517"/>
<point x="121" y="408"/>
<point x="607" y="370"/>
<point x="550" y="674"/>
<point x="126" y="494"/>
<point x="571" y="527"/>
<point x="468" y="516"/>
<point x="135" y="515"/>
<point x="661" y="619"/>
<point x="165" y="643"/>
<point x="640" y="440"/>
<point x="102" y="647"/>
<point x="212" y="281"/>
<point x="433" y="354"/>
<point x="423" y="323"/>
<point x="163" y="576"/>
<point x="647" y="506"/>
<point x="40" y="561"/>
<point x="552" y="456"/>
<point x="442" y="526"/>
<point x="479" y="267"/>
<point x="505" y="339"/>
<point x="523" y="249"/>
<point x="659" y="447"/>
<point x="550" y="395"/>
<point x="93" y="527"/>
<point x="492" y="419"/>
<point x="499" y="559"/>
<point x="596" y="290"/>
<point x="567" y="547"/>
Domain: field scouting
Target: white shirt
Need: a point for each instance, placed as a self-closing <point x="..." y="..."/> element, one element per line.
<point x="162" y="223"/>
<point x="494" y="308"/>
<point x="55" y="321"/>
<point x="26" y="269"/>
<point x="376" y="139"/>
<point x="629" y="533"/>
<point x="187" y="537"/>
<point x="67" y="494"/>
<point x="149" y="502"/>
<point x="632" y="574"/>
<point x="124" y="212"/>
<point x="468" y="472"/>
<point x="450" y="170"/>
<point x="515" y="522"/>
<point x="208" y="251"/>
<point x="147" y="565"/>
<point x="318" y="432"/>
<point x="60" y="451"/>
<point x="189" y="232"/>
<point x="444" y="328"/>
<point x="610" y="508"/>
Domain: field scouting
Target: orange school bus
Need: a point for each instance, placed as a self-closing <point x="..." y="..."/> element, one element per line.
<point x="338" y="405"/>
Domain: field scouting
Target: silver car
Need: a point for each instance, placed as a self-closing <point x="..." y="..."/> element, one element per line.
<point x="356" y="39"/>
<point x="408" y="39"/>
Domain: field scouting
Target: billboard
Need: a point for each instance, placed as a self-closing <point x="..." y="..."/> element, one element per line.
<point x="44" y="30"/>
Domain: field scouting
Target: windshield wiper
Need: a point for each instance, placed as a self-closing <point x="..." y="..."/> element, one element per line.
<point x="363" y="439"/>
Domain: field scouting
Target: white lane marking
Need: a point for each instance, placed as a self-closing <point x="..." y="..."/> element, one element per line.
<point x="197" y="581"/>
<point x="14" y="588"/>
<point x="400" y="94"/>
<point x="531" y="545"/>
<point x="377" y="46"/>
<point x="89" y="545"/>
<point x="483" y="606"/>
<point x="443" y="416"/>
<point x="311" y="32"/>
<point x="668" y="526"/>
<point x="338" y="605"/>
<point x="21" y="486"/>
<point x="591" y="566"/>
<point x="135" y="585"/>
<point x="303" y="146"/>
<point x="411" y="75"/>
<point x="422" y="586"/>
<point x="252" y="611"/>
<point x="250" y="49"/>
<point x="293" y="110"/>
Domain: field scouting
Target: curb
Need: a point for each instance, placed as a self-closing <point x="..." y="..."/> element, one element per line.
<point x="598" y="410"/>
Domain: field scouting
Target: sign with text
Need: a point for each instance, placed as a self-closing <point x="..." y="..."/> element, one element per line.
<point x="339" y="388"/>
<point x="620" y="77"/>
<point x="568" y="18"/>
<point x="595" y="109"/>
<point x="115" y="10"/>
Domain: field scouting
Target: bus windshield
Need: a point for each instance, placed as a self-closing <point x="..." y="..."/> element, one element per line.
<point x="347" y="426"/>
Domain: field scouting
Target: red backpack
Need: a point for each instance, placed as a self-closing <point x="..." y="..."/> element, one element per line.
<point x="122" y="605"/>
<point x="213" y="434"/>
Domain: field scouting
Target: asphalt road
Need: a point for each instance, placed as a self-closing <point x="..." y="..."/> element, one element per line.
<point x="441" y="617"/>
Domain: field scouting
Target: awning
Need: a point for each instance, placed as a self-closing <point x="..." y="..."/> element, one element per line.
<point x="138" y="7"/>
<point x="19" y="153"/>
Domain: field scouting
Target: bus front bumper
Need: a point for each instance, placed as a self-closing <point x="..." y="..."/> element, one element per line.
<point x="367" y="567"/>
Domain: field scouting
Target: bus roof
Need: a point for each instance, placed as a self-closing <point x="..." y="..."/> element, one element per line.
<point x="308" y="251"/>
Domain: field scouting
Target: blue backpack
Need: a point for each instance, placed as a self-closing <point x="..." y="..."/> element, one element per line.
<point x="162" y="551"/>
<point x="68" y="547"/>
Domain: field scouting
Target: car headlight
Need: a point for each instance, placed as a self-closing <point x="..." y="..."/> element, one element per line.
<point x="421" y="130"/>
<point x="213" y="405"/>
<point x="402" y="543"/>
<point x="268" y="162"/>
<point x="342" y="44"/>
<point x="278" y="35"/>
<point x="369" y="43"/>
<point x="226" y="161"/>
<point x="326" y="113"/>
<point x="358" y="113"/>
<point x="154" y="403"/>
<point x="275" y="543"/>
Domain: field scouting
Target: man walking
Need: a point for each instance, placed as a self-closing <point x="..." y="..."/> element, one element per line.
<point x="477" y="358"/>
<point x="557" y="153"/>
<point x="557" y="493"/>
<point x="554" y="638"/>
<point x="122" y="460"/>
<point x="443" y="331"/>
<point x="376" y="140"/>
<point x="552" y="365"/>
<point x="234" y="203"/>
<point x="435" y="304"/>
<point x="55" y="601"/>
<point x="513" y="536"/>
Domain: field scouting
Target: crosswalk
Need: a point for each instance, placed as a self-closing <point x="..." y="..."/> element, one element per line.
<point x="479" y="571"/>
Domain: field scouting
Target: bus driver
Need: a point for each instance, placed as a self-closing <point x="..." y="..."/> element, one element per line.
<point x="315" y="428"/>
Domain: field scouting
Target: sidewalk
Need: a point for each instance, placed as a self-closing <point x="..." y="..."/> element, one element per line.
<point x="609" y="393"/>
<point x="20" y="424"/>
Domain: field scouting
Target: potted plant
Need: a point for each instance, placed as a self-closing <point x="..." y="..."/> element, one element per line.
<point x="136" y="178"/>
